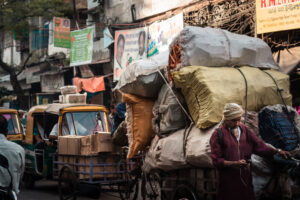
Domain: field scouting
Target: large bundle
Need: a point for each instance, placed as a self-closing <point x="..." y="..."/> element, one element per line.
<point x="166" y="153"/>
<point x="280" y="126"/>
<point x="141" y="77"/>
<point x="141" y="122"/>
<point x="262" y="173"/>
<point x="168" y="115"/>
<point x="207" y="90"/>
<point x="215" y="48"/>
<point x="198" y="148"/>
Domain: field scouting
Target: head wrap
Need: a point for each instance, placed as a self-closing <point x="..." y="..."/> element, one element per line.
<point x="232" y="111"/>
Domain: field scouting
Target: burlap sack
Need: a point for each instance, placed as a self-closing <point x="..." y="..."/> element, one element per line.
<point x="141" y="123"/>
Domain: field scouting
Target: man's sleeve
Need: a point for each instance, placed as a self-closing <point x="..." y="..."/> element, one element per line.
<point x="216" y="151"/>
<point x="259" y="147"/>
<point x="54" y="131"/>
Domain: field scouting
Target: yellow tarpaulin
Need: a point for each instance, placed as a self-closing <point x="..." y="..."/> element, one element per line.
<point x="208" y="89"/>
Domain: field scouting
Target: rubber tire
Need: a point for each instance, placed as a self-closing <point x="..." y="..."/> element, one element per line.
<point x="184" y="192"/>
<point x="71" y="181"/>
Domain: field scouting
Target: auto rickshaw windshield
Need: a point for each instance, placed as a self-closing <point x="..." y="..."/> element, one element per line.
<point x="84" y="123"/>
<point x="13" y="125"/>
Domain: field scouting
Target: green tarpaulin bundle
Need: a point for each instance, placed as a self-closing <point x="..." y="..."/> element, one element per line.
<point x="208" y="89"/>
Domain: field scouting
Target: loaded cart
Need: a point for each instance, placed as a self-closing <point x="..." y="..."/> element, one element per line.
<point x="81" y="152"/>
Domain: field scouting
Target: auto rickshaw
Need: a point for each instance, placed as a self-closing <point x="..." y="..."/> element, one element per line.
<point x="72" y="119"/>
<point x="15" y="129"/>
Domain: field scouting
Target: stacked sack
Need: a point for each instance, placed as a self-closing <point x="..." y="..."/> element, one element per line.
<point x="69" y="94"/>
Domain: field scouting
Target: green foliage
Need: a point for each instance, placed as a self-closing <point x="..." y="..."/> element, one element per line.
<point x="15" y="14"/>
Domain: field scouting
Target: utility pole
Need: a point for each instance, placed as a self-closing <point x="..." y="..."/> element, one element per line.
<point x="75" y="14"/>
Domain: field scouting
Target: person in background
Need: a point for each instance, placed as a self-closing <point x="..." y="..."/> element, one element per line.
<point x="16" y="158"/>
<point x="112" y="114"/>
<point x="119" y="116"/>
<point x="231" y="148"/>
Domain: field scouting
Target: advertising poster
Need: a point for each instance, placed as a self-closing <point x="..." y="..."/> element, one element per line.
<point x="161" y="34"/>
<point x="61" y="32"/>
<point x="81" y="46"/>
<point x="277" y="15"/>
<point x="130" y="45"/>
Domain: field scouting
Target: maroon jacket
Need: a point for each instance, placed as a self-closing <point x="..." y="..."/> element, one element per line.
<point x="236" y="184"/>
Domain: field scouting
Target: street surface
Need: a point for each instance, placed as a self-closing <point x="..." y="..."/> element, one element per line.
<point x="47" y="190"/>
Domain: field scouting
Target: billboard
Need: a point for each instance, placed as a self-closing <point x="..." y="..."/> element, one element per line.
<point x="61" y="32"/>
<point x="161" y="34"/>
<point x="81" y="46"/>
<point x="277" y="15"/>
<point x="130" y="45"/>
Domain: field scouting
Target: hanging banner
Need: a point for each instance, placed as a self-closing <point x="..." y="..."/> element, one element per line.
<point x="52" y="83"/>
<point x="161" y="34"/>
<point x="81" y="46"/>
<point x="130" y="45"/>
<point x="61" y="32"/>
<point x="277" y="15"/>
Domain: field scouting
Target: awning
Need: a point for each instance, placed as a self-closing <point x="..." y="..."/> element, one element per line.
<point x="288" y="59"/>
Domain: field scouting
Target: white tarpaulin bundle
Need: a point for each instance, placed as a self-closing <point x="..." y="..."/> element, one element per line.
<point x="168" y="115"/>
<point x="141" y="78"/>
<point x="216" y="47"/>
<point x="166" y="153"/>
<point x="198" y="148"/>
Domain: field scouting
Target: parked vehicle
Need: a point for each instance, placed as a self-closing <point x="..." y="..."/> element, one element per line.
<point x="15" y="129"/>
<point x="107" y="169"/>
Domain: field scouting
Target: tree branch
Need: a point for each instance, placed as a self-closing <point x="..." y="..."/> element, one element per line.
<point x="25" y="63"/>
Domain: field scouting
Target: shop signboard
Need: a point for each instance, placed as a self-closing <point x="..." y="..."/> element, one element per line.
<point x="81" y="46"/>
<point x="130" y="45"/>
<point x="277" y="15"/>
<point x="161" y="34"/>
<point x="52" y="83"/>
<point x="61" y="32"/>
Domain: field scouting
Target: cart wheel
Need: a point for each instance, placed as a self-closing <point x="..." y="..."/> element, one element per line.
<point x="129" y="188"/>
<point x="28" y="181"/>
<point x="184" y="192"/>
<point x="151" y="186"/>
<point x="68" y="185"/>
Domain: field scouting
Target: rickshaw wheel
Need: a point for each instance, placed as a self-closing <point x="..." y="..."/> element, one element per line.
<point x="184" y="192"/>
<point x="129" y="187"/>
<point x="151" y="186"/>
<point x="68" y="185"/>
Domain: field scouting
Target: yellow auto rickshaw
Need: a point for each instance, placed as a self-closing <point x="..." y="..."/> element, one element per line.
<point x="15" y="129"/>
<point x="71" y="119"/>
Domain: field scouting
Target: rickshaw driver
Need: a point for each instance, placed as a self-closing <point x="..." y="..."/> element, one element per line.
<point x="54" y="132"/>
<point x="38" y="133"/>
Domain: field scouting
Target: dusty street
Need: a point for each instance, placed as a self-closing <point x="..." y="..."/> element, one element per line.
<point x="47" y="190"/>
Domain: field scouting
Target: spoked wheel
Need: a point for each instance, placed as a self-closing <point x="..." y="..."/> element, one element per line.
<point x="184" y="192"/>
<point x="151" y="186"/>
<point x="128" y="189"/>
<point x="68" y="185"/>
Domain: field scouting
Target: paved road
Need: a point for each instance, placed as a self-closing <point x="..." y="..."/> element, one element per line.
<point x="47" y="190"/>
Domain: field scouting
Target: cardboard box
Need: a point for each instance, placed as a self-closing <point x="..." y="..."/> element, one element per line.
<point x="85" y="145"/>
<point x="102" y="142"/>
<point x="69" y="145"/>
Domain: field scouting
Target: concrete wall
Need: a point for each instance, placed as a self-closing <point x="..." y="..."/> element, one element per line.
<point x="11" y="56"/>
<point x="121" y="9"/>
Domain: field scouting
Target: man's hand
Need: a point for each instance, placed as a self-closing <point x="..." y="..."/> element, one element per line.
<point x="236" y="164"/>
<point x="284" y="154"/>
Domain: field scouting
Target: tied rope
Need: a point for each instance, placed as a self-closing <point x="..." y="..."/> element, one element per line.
<point x="246" y="95"/>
